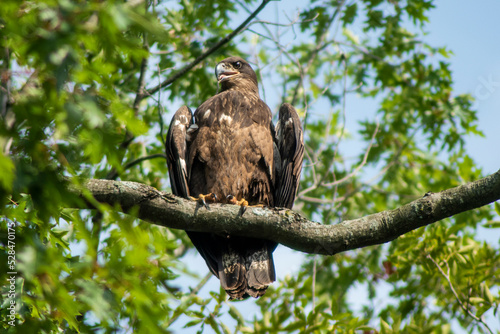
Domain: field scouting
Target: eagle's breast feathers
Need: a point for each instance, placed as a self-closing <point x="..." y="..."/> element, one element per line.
<point x="234" y="141"/>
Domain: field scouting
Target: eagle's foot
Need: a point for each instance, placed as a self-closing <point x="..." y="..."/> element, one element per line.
<point x="243" y="203"/>
<point x="202" y="199"/>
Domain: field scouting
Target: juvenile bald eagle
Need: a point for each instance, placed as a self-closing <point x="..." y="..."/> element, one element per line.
<point x="230" y="153"/>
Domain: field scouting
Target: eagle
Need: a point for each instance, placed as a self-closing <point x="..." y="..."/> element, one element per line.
<point x="229" y="152"/>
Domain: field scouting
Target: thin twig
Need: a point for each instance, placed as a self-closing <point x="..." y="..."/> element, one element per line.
<point x="202" y="283"/>
<point x="5" y="83"/>
<point x="129" y="137"/>
<point x="275" y="39"/>
<point x="295" y="21"/>
<point x="141" y="159"/>
<point x="205" y="54"/>
<point x="342" y="131"/>
<point x="114" y="173"/>
<point x="345" y="178"/>
<point x="142" y="81"/>
<point x="394" y="161"/>
<point x="314" y="53"/>
<point x="320" y="200"/>
<point x="194" y="292"/>
<point x="466" y="309"/>
<point x="160" y="110"/>
<point x="312" y="164"/>
<point x="358" y="168"/>
<point x="314" y="283"/>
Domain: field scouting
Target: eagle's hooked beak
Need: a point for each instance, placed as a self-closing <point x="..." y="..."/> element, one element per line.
<point x="224" y="71"/>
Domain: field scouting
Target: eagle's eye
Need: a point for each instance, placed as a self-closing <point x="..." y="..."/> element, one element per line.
<point x="237" y="64"/>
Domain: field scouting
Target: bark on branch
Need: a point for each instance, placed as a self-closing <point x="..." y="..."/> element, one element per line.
<point x="288" y="227"/>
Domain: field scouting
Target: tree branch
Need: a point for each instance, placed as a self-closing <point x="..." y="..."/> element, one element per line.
<point x="205" y="54"/>
<point x="288" y="227"/>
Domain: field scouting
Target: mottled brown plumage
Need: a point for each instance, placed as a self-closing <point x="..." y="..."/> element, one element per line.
<point x="230" y="148"/>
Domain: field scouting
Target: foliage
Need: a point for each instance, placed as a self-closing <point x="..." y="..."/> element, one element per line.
<point x="75" y="104"/>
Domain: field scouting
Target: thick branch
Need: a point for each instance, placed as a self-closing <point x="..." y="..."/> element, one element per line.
<point x="289" y="228"/>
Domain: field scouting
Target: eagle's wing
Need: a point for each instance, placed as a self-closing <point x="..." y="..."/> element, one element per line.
<point x="180" y="135"/>
<point x="177" y="151"/>
<point x="290" y="142"/>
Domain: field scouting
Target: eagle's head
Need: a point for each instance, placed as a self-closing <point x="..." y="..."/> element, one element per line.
<point x="234" y="73"/>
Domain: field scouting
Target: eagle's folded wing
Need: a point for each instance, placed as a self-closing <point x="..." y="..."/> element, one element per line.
<point x="176" y="149"/>
<point x="290" y="142"/>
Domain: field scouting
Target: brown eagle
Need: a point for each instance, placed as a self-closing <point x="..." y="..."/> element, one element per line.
<point x="229" y="152"/>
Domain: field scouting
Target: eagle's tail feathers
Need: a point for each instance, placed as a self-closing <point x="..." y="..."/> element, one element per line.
<point x="245" y="273"/>
<point x="256" y="293"/>
<point x="232" y="275"/>
<point x="260" y="272"/>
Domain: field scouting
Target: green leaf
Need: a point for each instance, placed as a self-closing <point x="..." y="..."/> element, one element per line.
<point x="7" y="172"/>
<point x="350" y="14"/>
<point x="476" y="300"/>
<point x="350" y="36"/>
<point x="385" y="328"/>
<point x="492" y="224"/>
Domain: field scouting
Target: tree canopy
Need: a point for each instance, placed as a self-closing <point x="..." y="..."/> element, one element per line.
<point x="87" y="88"/>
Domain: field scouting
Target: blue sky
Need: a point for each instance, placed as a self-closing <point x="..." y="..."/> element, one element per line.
<point x="470" y="30"/>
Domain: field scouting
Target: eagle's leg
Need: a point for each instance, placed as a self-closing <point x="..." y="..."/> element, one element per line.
<point x="202" y="199"/>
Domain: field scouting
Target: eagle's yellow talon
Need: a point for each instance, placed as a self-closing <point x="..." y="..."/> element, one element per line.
<point x="243" y="203"/>
<point x="202" y="199"/>
<point x="243" y="206"/>
<point x="231" y="199"/>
